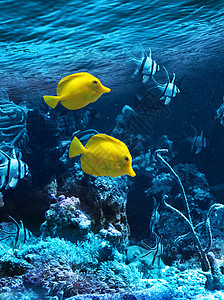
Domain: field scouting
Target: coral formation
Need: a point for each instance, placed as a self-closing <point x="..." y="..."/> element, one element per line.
<point x="58" y="279"/>
<point x="104" y="199"/>
<point x="197" y="193"/>
<point x="65" y="219"/>
<point x="65" y="269"/>
<point x="12" y="123"/>
<point x="108" y="198"/>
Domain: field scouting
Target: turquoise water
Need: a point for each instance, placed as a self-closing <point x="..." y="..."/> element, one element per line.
<point x="42" y="41"/>
<point x="43" y="36"/>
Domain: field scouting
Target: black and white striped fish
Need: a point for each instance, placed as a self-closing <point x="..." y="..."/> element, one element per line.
<point x="19" y="236"/>
<point x="146" y="65"/>
<point x="169" y="90"/>
<point x="198" y="142"/>
<point x="220" y="113"/>
<point x="11" y="170"/>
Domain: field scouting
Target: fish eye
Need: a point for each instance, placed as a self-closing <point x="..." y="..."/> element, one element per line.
<point x="126" y="158"/>
<point x="95" y="82"/>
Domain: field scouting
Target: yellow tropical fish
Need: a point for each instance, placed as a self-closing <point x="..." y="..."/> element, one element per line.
<point x="76" y="91"/>
<point x="103" y="155"/>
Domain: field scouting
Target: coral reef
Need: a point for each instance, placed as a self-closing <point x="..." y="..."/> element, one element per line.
<point x="64" y="269"/>
<point x="58" y="279"/>
<point x="199" y="198"/>
<point x="66" y="220"/>
<point x="107" y="199"/>
<point x="12" y="123"/>
<point x="207" y="258"/>
<point x="104" y="200"/>
<point x="58" y="268"/>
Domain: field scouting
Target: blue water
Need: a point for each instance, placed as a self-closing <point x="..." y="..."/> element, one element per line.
<point x="49" y="36"/>
<point x="43" y="41"/>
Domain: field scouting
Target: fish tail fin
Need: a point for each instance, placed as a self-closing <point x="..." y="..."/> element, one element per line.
<point x="76" y="147"/>
<point x="52" y="101"/>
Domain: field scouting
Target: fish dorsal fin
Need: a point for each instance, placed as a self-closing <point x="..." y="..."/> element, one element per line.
<point x="167" y="74"/>
<point x="195" y="130"/>
<point x="64" y="81"/>
<point x="100" y="138"/>
<point x="202" y="134"/>
<point x="14" y="153"/>
<point x="14" y="221"/>
<point x="174" y="75"/>
<point x="4" y="154"/>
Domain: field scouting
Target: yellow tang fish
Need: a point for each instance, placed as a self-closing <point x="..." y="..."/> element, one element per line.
<point x="103" y="155"/>
<point x="76" y="91"/>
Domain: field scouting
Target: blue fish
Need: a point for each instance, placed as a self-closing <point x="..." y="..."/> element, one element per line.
<point x="198" y="142"/>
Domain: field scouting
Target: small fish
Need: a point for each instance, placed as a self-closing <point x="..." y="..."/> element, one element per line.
<point x="156" y="252"/>
<point x="20" y="236"/>
<point x="76" y="91"/>
<point x="220" y="113"/>
<point x="155" y="217"/>
<point x="146" y="65"/>
<point x="198" y="142"/>
<point x="103" y="155"/>
<point x="11" y="170"/>
<point x="169" y="90"/>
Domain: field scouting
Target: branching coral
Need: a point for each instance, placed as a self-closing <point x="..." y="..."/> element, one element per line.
<point x="207" y="258"/>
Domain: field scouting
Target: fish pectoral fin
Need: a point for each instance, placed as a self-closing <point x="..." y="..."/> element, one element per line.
<point x="52" y="101"/>
<point x="198" y="150"/>
<point x="167" y="100"/>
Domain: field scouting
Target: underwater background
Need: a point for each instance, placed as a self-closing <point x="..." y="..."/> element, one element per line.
<point x="85" y="227"/>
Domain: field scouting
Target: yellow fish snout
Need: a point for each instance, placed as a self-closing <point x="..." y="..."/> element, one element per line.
<point x="131" y="172"/>
<point x="106" y="89"/>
